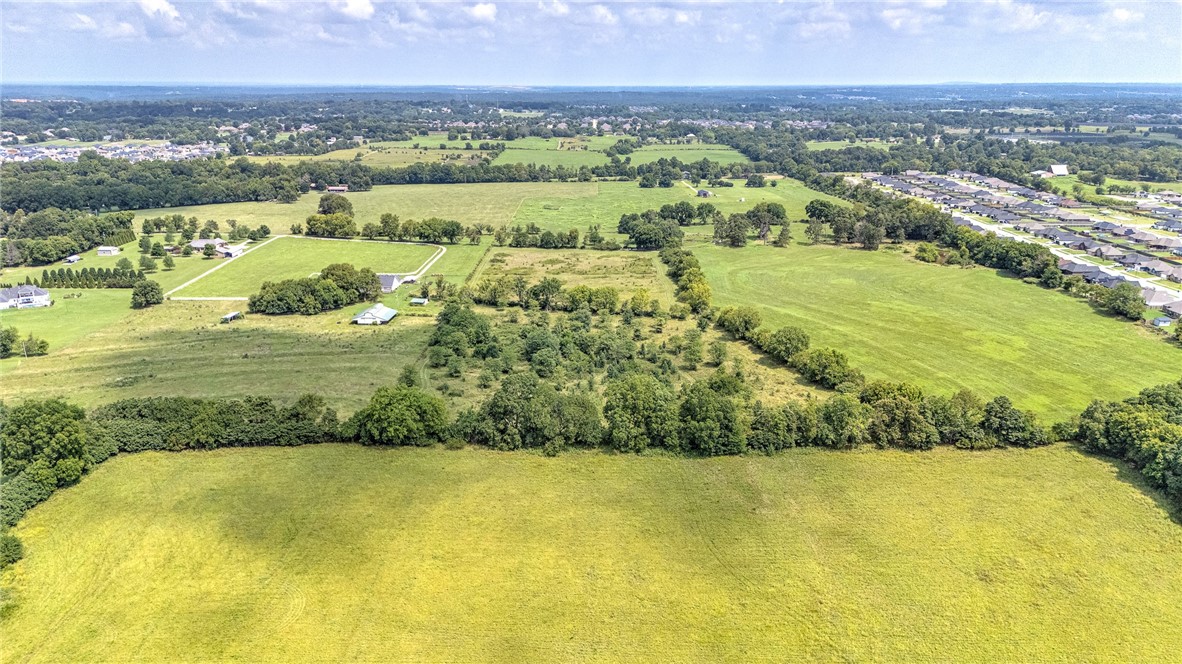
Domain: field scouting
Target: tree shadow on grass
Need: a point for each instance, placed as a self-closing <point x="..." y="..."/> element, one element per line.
<point x="1126" y="473"/>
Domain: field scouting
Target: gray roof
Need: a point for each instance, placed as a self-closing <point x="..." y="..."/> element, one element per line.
<point x="21" y="291"/>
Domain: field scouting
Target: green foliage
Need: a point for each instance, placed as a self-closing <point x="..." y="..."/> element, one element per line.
<point x="640" y="412"/>
<point x="1145" y="430"/>
<point x="145" y="294"/>
<point x="46" y="439"/>
<point x="401" y="416"/>
<point x="1125" y="300"/>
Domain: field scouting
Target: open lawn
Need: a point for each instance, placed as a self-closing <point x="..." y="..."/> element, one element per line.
<point x="180" y="348"/>
<point x="378" y="155"/>
<point x="944" y="328"/>
<point x="68" y="320"/>
<point x="298" y="257"/>
<point x="1068" y="182"/>
<point x="336" y="552"/>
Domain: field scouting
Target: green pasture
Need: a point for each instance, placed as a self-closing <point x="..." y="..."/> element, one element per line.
<point x="841" y="145"/>
<point x="1068" y="182"/>
<point x="181" y="348"/>
<point x="689" y="153"/>
<point x="942" y="327"/>
<point x="551" y="205"/>
<point x="337" y="552"/>
<point x="299" y="257"/>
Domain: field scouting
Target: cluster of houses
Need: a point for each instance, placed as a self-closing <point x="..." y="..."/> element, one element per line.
<point x="24" y="297"/>
<point x="221" y="247"/>
<point x="129" y="151"/>
<point x="1054" y="218"/>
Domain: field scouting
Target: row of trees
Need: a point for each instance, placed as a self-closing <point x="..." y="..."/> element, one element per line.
<point x="338" y="285"/>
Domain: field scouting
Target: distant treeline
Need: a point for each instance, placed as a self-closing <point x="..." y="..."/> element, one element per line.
<point x="49" y="235"/>
<point x="99" y="184"/>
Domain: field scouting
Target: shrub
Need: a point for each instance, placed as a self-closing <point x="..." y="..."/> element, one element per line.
<point x="401" y="416"/>
<point x="145" y="294"/>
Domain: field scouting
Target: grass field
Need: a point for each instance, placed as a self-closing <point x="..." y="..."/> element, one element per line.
<point x="379" y="154"/>
<point x="179" y="348"/>
<point x="1068" y="182"/>
<point x="841" y="145"/>
<point x="624" y="270"/>
<point x="298" y="257"/>
<point x="944" y="328"/>
<point x="67" y="321"/>
<point x="552" y="205"/>
<point x="336" y="553"/>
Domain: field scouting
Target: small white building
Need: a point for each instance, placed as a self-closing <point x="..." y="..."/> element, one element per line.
<point x="378" y="314"/>
<point x="24" y="297"/>
<point x="70" y="260"/>
<point x="1059" y="169"/>
<point x="228" y="251"/>
<point x="108" y="251"/>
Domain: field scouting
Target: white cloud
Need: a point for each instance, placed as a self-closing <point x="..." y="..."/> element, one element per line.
<point x="121" y="30"/>
<point x="485" y="12"/>
<point x="1124" y="15"/>
<point x="554" y="8"/>
<point x="159" y="8"/>
<point x="356" y="9"/>
<point x="603" y="15"/>
<point x="82" y="23"/>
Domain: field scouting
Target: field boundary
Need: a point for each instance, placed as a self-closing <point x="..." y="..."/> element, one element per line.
<point x="440" y="250"/>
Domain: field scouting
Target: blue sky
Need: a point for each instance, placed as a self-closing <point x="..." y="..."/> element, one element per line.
<point x="552" y="42"/>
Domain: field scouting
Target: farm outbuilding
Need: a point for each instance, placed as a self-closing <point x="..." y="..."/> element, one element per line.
<point x="378" y="314"/>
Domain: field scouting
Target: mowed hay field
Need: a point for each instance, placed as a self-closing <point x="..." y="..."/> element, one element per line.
<point x="299" y="257"/>
<point x="179" y="348"/>
<point x="332" y="553"/>
<point x="551" y="205"/>
<point x="944" y="328"/>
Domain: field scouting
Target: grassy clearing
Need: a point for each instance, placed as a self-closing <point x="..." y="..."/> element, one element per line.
<point x="689" y="153"/>
<point x="944" y="328"/>
<point x="841" y="145"/>
<point x="625" y="270"/>
<point x="380" y="154"/>
<point x="1068" y="182"/>
<point x="298" y="257"/>
<point x="412" y="555"/>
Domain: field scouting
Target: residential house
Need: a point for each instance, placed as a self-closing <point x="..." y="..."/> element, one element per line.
<point x="1173" y="310"/>
<point x="1165" y="243"/>
<point x="1156" y="298"/>
<point x="199" y="245"/>
<point x="1106" y="251"/>
<point x="24" y="297"/>
<point x="389" y="282"/>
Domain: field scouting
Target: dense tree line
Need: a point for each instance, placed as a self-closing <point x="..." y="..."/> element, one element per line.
<point x="49" y="235"/>
<point x="338" y="285"/>
<point x="1145" y="431"/>
<point x="120" y="276"/>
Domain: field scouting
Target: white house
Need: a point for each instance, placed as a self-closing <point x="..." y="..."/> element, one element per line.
<point x="108" y="251"/>
<point x="378" y="314"/>
<point x="24" y="297"/>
